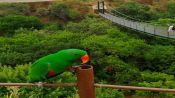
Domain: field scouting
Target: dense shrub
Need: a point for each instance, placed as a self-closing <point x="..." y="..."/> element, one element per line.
<point x="62" y="11"/>
<point x="29" y="46"/>
<point x="117" y="57"/>
<point x="9" y="24"/>
<point x="73" y="14"/>
<point x="170" y="11"/>
<point x="137" y="11"/>
<point x="164" y="22"/>
<point x="159" y="57"/>
<point x="20" y="72"/>
<point x="89" y="25"/>
<point x="59" y="10"/>
<point x="13" y="9"/>
<point x="53" y="27"/>
<point x="42" y="12"/>
<point x="108" y="93"/>
<point x="158" y="80"/>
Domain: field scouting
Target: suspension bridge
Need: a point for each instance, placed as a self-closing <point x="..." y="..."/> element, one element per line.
<point x="134" y="24"/>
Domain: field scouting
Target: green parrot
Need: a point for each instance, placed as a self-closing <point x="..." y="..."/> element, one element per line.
<point x="54" y="64"/>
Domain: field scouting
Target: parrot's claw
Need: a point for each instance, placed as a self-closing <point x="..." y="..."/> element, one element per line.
<point x="40" y="84"/>
<point x="75" y="67"/>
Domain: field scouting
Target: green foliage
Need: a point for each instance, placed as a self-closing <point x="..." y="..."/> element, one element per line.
<point x="59" y="10"/>
<point x="166" y="17"/>
<point x="9" y="24"/>
<point x="157" y="80"/>
<point x="117" y="57"/>
<point x="89" y="25"/>
<point x="155" y="76"/>
<point x="137" y="11"/>
<point x="53" y="27"/>
<point x="121" y="72"/>
<point x="73" y="14"/>
<point x="158" y="59"/>
<point x="42" y="12"/>
<point x="91" y="15"/>
<point x="171" y="69"/>
<point x="28" y="46"/>
<point x="62" y="11"/>
<point x="108" y="93"/>
<point x="13" y="9"/>
<point x="170" y="10"/>
<point x="19" y="73"/>
<point x="164" y="21"/>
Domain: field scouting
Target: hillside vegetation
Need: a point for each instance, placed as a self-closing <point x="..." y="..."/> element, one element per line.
<point x="156" y="14"/>
<point x="118" y="57"/>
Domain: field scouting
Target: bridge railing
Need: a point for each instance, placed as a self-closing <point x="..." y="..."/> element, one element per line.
<point x="139" y="26"/>
<point x="86" y="84"/>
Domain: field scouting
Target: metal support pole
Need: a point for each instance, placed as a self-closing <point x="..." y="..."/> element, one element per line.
<point x="154" y="30"/>
<point x="103" y="4"/>
<point x="168" y="33"/>
<point x="98" y="6"/>
<point x="144" y="28"/>
<point x="85" y="77"/>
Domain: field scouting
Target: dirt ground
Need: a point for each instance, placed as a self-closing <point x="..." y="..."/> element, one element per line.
<point x="2" y="1"/>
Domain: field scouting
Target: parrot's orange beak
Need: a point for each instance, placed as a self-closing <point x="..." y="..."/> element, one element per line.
<point x="84" y="59"/>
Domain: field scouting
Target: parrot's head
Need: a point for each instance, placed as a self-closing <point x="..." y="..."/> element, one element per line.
<point x="74" y="55"/>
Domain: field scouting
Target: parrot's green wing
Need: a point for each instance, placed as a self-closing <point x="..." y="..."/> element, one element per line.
<point x="38" y="71"/>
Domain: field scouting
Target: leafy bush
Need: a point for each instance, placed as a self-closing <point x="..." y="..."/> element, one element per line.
<point x="170" y="69"/>
<point x="13" y="8"/>
<point x="9" y="24"/>
<point x="170" y="11"/>
<point x="155" y="76"/>
<point x="89" y="25"/>
<point x="53" y="27"/>
<point x="108" y="93"/>
<point x="19" y="73"/>
<point x="42" y="12"/>
<point x="28" y="46"/>
<point x="164" y="21"/>
<point x="58" y="10"/>
<point x="91" y="15"/>
<point x="73" y="14"/>
<point x="62" y="11"/>
<point x="158" y="80"/>
<point x="158" y="60"/>
<point x="137" y="11"/>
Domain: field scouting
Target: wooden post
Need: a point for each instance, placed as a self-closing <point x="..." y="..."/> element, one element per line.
<point x="85" y="77"/>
